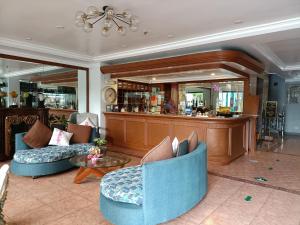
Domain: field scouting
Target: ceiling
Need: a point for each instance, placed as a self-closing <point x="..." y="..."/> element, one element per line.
<point x="11" y="68"/>
<point x="269" y="30"/>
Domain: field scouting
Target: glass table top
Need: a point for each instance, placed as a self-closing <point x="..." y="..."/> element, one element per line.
<point x="104" y="162"/>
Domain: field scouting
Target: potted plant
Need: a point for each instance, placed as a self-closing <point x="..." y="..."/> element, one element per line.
<point x="59" y="122"/>
<point x="101" y="144"/>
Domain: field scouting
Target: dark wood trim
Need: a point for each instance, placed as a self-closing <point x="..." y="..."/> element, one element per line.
<point x="64" y="80"/>
<point x="196" y="67"/>
<point x="55" y="76"/>
<point x="25" y="59"/>
<point x="185" y="63"/>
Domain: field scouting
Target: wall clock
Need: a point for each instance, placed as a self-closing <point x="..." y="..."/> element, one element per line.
<point x="110" y="95"/>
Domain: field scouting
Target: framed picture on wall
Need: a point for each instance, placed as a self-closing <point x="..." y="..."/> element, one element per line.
<point x="108" y="108"/>
<point x="271" y="109"/>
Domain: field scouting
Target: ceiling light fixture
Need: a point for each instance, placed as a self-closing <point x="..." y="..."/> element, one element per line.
<point x="110" y="17"/>
<point x="238" y="21"/>
<point x="212" y="74"/>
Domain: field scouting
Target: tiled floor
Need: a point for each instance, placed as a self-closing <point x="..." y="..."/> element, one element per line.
<point x="289" y="144"/>
<point x="56" y="200"/>
<point x="282" y="171"/>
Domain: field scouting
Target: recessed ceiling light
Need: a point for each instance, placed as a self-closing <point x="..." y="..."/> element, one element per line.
<point x="238" y="21"/>
<point x="28" y="38"/>
<point x="212" y="74"/>
<point x="153" y="78"/>
<point x="60" y="27"/>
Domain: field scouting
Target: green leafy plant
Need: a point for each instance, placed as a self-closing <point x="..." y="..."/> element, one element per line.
<point x="100" y="141"/>
<point x="59" y="120"/>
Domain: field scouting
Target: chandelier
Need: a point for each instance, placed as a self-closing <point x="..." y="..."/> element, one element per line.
<point x="112" y="19"/>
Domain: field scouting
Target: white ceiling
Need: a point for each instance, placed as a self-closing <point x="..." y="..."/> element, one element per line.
<point x="270" y="30"/>
<point x="10" y="66"/>
<point x="13" y="68"/>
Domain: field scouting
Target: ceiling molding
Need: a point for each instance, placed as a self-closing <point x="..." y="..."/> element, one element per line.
<point x="272" y="57"/>
<point x="40" y="52"/>
<point x="292" y="23"/>
<point x="292" y="67"/>
<point x="35" y="51"/>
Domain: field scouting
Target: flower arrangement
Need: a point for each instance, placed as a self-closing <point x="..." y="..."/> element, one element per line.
<point x="13" y="94"/>
<point x="94" y="153"/>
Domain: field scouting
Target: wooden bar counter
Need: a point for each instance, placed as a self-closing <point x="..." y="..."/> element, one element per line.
<point x="226" y="138"/>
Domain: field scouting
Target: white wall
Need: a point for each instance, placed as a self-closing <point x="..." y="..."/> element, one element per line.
<point x="81" y="89"/>
<point x="96" y="85"/>
<point x="292" y="118"/>
<point x="292" y="121"/>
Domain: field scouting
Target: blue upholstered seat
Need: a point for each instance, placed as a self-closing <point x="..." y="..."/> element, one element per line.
<point x="50" y="153"/>
<point x="124" y="185"/>
<point x="169" y="188"/>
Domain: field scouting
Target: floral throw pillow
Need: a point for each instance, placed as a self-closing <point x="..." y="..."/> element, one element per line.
<point x="60" y="138"/>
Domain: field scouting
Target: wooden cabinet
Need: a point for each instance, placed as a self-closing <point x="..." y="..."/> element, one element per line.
<point x="226" y="138"/>
<point x="23" y="115"/>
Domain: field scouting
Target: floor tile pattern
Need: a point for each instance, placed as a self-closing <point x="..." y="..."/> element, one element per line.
<point x="56" y="200"/>
<point x="282" y="171"/>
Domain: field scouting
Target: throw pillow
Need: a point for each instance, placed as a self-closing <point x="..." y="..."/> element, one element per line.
<point x="193" y="141"/>
<point x="160" y="152"/>
<point x="38" y="136"/>
<point x="183" y="148"/>
<point x="60" y="138"/>
<point x="175" y="144"/>
<point x="87" y="122"/>
<point x="81" y="134"/>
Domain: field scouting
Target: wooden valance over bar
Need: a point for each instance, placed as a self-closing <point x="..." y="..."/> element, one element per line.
<point x="70" y="76"/>
<point x="233" y="61"/>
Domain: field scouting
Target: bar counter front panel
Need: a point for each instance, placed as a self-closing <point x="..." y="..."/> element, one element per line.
<point x="226" y="138"/>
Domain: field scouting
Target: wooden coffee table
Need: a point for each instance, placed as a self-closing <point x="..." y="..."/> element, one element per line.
<point x="101" y="167"/>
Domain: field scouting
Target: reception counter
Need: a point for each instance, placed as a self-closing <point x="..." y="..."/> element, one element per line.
<point x="226" y="138"/>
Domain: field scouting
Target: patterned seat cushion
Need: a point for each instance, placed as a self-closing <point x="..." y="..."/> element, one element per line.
<point x="50" y="153"/>
<point x="124" y="185"/>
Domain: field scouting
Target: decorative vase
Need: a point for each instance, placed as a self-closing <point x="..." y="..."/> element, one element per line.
<point x="103" y="149"/>
<point x="94" y="160"/>
<point x="14" y="101"/>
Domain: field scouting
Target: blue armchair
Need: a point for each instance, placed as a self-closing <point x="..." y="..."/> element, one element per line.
<point x="170" y="188"/>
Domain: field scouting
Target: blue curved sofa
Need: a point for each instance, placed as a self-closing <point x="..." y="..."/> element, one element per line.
<point x="52" y="159"/>
<point x="169" y="189"/>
